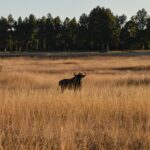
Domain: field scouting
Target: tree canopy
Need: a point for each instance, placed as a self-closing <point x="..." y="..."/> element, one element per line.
<point x="100" y="30"/>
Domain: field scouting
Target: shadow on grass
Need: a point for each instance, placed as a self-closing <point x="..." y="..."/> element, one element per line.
<point x="133" y="82"/>
<point x="135" y="68"/>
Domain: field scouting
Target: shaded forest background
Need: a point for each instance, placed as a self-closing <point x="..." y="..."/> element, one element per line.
<point x="100" y="30"/>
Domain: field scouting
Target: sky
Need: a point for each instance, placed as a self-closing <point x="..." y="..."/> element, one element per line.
<point x="69" y="8"/>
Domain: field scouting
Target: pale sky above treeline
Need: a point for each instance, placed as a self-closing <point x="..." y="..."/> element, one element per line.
<point x="69" y="8"/>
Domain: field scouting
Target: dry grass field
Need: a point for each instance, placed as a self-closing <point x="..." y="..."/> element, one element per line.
<point x="112" y="112"/>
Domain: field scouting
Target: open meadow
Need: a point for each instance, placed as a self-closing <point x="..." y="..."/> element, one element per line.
<point x="111" y="112"/>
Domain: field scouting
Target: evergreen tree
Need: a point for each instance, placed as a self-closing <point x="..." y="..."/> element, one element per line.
<point x="141" y="20"/>
<point x="83" y="36"/>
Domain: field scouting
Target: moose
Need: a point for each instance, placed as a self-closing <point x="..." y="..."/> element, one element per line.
<point x="73" y="83"/>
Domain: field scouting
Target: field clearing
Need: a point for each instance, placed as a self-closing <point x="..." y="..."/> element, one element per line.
<point x="112" y="112"/>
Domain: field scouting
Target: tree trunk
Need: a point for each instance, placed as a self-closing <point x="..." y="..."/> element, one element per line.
<point x="143" y="46"/>
<point x="107" y="47"/>
<point x="44" y="44"/>
<point x="37" y="44"/>
<point x="20" y="49"/>
<point x="27" y="46"/>
<point x="103" y="47"/>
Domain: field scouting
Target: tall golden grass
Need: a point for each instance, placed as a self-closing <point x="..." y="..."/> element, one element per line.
<point x="111" y="112"/>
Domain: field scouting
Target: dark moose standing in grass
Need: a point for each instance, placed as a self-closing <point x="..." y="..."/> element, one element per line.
<point x="73" y="83"/>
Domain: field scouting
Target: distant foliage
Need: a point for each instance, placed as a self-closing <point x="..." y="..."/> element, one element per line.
<point x="100" y="30"/>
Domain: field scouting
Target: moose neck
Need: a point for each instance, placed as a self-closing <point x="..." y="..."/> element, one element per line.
<point x="78" y="79"/>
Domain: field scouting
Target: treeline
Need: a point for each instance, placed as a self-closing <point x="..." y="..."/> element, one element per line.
<point x="100" y="30"/>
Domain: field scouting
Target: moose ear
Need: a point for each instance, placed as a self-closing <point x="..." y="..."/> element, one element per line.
<point x="84" y="74"/>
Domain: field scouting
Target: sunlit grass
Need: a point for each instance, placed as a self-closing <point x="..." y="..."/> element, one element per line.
<point x="112" y="112"/>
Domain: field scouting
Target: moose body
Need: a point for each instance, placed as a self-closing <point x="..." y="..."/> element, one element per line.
<point x="73" y="83"/>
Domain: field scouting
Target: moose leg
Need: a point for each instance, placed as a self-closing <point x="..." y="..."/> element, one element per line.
<point x="62" y="89"/>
